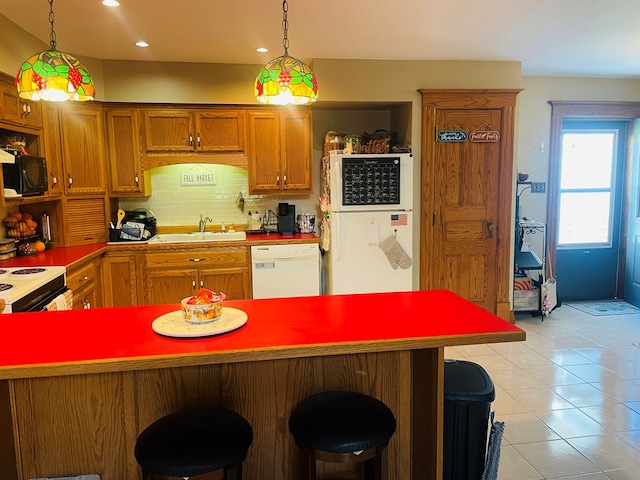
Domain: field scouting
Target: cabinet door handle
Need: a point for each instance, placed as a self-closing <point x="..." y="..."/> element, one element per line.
<point x="190" y="140"/>
<point x="83" y="278"/>
<point x="198" y="140"/>
<point x="285" y="177"/>
<point x="193" y="283"/>
<point x="201" y="283"/>
<point x="54" y="180"/>
<point x="136" y="179"/>
<point x="201" y="259"/>
<point x="86" y="304"/>
<point x="70" y="180"/>
<point x="277" y="178"/>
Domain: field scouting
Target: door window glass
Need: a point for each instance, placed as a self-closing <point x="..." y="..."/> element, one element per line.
<point x="586" y="187"/>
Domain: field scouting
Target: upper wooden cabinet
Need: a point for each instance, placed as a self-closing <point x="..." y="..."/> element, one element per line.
<point x="279" y="151"/>
<point x="53" y="148"/>
<point x="18" y="111"/>
<point x="189" y="130"/>
<point x="83" y="149"/>
<point x="126" y="175"/>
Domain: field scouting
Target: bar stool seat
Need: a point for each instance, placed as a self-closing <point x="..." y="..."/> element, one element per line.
<point x="195" y="441"/>
<point x="343" y="427"/>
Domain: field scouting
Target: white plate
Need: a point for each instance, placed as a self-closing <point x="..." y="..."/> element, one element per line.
<point x="172" y="324"/>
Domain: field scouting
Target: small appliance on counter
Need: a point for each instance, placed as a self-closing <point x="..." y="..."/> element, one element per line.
<point x="270" y="222"/>
<point x="286" y="219"/>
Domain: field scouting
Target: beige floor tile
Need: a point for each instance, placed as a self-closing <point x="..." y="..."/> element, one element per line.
<point x="570" y="423"/>
<point x="570" y="358"/>
<point x="513" y="466"/>
<point x="514" y="379"/>
<point x="607" y="451"/>
<point x="555" y="458"/>
<point x="505" y="404"/>
<point x="614" y="418"/>
<point x="593" y="373"/>
<point x="623" y="474"/>
<point x="566" y="357"/>
<point x="552" y="376"/>
<point x="539" y="399"/>
<point x="622" y="390"/>
<point x="588" y="476"/>
<point x="584" y="395"/>
<point x="525" y="428"/>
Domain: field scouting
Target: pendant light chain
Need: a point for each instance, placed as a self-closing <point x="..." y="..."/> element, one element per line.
<point x="285" y="26"/>
<point x="52" y="17"/>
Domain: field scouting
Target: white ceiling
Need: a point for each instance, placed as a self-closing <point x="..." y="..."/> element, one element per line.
<point x="590" y="38"/>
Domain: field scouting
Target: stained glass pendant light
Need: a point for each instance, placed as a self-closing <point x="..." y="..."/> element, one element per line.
<point x="286" y="80"/>
<point x="53" y="75"/>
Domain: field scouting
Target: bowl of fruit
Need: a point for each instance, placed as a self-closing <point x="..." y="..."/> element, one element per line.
<point x="203" y="307"/>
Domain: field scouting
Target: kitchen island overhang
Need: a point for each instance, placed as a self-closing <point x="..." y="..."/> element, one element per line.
<point x="388" y="345"/>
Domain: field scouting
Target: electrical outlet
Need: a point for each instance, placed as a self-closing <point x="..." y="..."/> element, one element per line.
<point x="538" y="187"/>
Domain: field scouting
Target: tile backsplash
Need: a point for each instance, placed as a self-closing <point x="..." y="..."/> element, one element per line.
<point x="174" y="203"/>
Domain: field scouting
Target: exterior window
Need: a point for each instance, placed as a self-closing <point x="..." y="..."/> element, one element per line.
<point x="587" y="188"/>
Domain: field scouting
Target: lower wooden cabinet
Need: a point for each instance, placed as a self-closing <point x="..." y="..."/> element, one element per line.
<point x="175" y="273"/>
<point x="119" y="279"/>
<point x="84" y="282"/>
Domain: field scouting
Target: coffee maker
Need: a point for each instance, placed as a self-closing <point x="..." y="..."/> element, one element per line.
<point x="286" y="219"/>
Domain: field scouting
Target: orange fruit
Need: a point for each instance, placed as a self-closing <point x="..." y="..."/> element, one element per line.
<point x="39" y="246"/>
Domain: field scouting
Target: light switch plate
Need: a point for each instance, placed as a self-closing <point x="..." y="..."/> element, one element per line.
<point x="538" y="187"/>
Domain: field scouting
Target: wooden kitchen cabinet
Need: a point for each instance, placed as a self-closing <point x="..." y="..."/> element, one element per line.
<point x="175" y="273"/>
<point x="84" y="282"/>
<point x="83" y="149"/>
<point x="18" y="111"/>
<point x="119" y="279"/>
<point x="189" y="130"/>
<point x="53" y="147"/>
<point x="125" y="167"/>
<point x="279" y="151"/>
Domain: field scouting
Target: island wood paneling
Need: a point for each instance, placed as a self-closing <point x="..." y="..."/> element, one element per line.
<point x="89" y="423"/>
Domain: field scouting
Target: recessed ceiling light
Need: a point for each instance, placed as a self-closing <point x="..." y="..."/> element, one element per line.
<point x="142" y="44"/>
<point x="262" y="50"/>
<point x="111" y="3"/>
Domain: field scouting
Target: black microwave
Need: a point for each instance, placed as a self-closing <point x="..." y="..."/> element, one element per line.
<point x="27" y="176"/>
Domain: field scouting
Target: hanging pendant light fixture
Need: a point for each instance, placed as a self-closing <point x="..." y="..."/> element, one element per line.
<point x="286" y="80"/>
<point x="53" y="75"/>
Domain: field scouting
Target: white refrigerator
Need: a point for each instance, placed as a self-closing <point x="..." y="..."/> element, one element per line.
<point x="367" y="226"/>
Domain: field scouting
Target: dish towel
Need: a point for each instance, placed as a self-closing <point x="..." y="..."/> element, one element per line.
<point x="395" y="253"/>
<point x="64" y="301"/>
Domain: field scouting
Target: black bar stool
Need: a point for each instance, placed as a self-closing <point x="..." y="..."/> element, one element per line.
<point x="343" y="427"/>
<point x="195" y="441"/>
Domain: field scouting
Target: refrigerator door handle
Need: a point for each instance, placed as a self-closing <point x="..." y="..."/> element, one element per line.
<point x="336" y="228"/>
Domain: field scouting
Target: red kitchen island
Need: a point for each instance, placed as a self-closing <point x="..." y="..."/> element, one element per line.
<point x="77" y="387"/>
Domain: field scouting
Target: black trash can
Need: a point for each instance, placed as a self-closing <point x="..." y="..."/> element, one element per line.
<point x="468" y="393"/>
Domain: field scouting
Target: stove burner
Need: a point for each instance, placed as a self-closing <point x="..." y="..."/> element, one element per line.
<point x="24" y="272"/>
<point x="5" y="286"/>
<point x="3" y="272"/>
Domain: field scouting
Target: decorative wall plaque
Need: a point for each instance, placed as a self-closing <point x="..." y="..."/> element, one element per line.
<point x="451" y="134"/>
<point x="484" y="134"/>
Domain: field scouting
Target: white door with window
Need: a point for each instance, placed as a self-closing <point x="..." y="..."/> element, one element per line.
<point x="589" y="209"/>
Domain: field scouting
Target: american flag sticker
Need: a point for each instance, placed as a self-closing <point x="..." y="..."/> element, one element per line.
<point x="398" y="219"/>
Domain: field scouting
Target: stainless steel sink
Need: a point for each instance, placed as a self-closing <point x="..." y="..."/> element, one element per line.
<point x="196" y="237"/>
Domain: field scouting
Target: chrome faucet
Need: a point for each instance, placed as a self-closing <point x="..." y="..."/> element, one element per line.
<point x="203" y="222"/>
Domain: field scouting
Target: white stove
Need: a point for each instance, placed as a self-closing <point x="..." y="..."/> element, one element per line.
<point x="27" y="289"/>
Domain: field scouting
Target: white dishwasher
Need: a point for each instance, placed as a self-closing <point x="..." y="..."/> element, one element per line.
<point x="291" y="270"/>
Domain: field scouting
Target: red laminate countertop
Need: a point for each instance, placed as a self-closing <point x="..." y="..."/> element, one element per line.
<point x="65" y="256"/>
<point x="117" y="339"/>
<point x="59" y="256"/>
